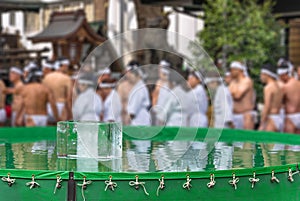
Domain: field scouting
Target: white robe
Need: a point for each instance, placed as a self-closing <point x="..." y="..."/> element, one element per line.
<point x="163" y="95"/>
<point x="223" y="107"/>
<point x="198" y="107"/>
<point x="87" y="106"/>
<point x="162" y="99"/>
<point x="174" y="112"/>
<point x="138" y="103"/>
<point x="112" y="107"/>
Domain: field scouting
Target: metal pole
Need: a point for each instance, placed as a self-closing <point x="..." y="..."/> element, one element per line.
<point x="122" y="8"/>
<point x="71" y="187"/>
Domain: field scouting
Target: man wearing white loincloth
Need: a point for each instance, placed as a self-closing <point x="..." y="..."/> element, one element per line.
<point x="34" y="99"/>
<point x="15" y="76"/>
<point x="291" y="94"/>
<point x="242" y="91"/>
<point x="60" y="84"/>
<point x="271" y="119"/>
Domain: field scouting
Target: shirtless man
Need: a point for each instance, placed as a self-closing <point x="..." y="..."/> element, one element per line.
<point x="2" y="103"/>
<point x="162" y="88"/>
<point x="34" y="99"/>
<point x="124" y="87"/>
<point x="60" y="85"/>
<point x="241" y="89"/>
<point x="271" y="120"/>
<point x="291" y="99"/>
<point x="15" y="75"/>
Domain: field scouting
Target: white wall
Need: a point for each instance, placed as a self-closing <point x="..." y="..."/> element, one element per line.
<point x="186" y="26"/>
<point x="114" y="13"/>
<point x="19" y="23"/>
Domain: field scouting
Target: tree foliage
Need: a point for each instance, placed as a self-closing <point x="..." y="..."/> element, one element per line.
<point x="242" y="30"/>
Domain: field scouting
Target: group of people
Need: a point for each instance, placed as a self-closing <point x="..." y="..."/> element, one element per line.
<point x="43" y="96"/>
<point x="281" y="104"/>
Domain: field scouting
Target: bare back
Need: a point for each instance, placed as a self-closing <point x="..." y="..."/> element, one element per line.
<point x="123" y="90"/>
<point x="155" y="92"/>
<point x="35" y="97"/>
<point x="2" y="94"/>
<point x="59" y="84"/>
<point x="273" y="91"/>
<point x="291" y="91"/>
<point x="243" y="95"/>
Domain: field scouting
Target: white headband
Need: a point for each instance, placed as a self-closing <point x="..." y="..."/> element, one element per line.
<point x="89" y="82"/>
<point x="16" y="70"/>
<point x="132" y="67"/>
<point x="65" y="62"/>
<point x="38" y="73"/>
<point x="107" y="85"/>
<point x="237" y="65"/>
<point x="212" y="79"/>
<point x="104" y="71"/>
<point x="281" y="71"/>
<point x="30" y="66"/>
<point x="135" y="68"/>
<point x="56" y="65"/>
<point x="268" y="72"/>
<point x="164" y="63"/>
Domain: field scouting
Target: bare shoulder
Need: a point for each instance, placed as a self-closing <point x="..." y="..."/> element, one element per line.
<point x="248" y="81"/>
<point x="271" y="88"/>
<point x="2" y="85"/>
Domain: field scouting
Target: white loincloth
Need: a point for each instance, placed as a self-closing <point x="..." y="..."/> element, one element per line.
<point x="60" y="106"/>
<point x="13" y="118"/>
<point x="295" y="118"/>
<point x="278" y="121"/>
<point x="39" y="120"/>
<point x="238" y="119"/>
<point x="2" y="115"/>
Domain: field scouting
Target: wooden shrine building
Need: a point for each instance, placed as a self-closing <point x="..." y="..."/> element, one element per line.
<point x="70" y="34"/>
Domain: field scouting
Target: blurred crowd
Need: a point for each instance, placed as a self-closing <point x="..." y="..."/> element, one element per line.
<point x="43" y="95"/>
